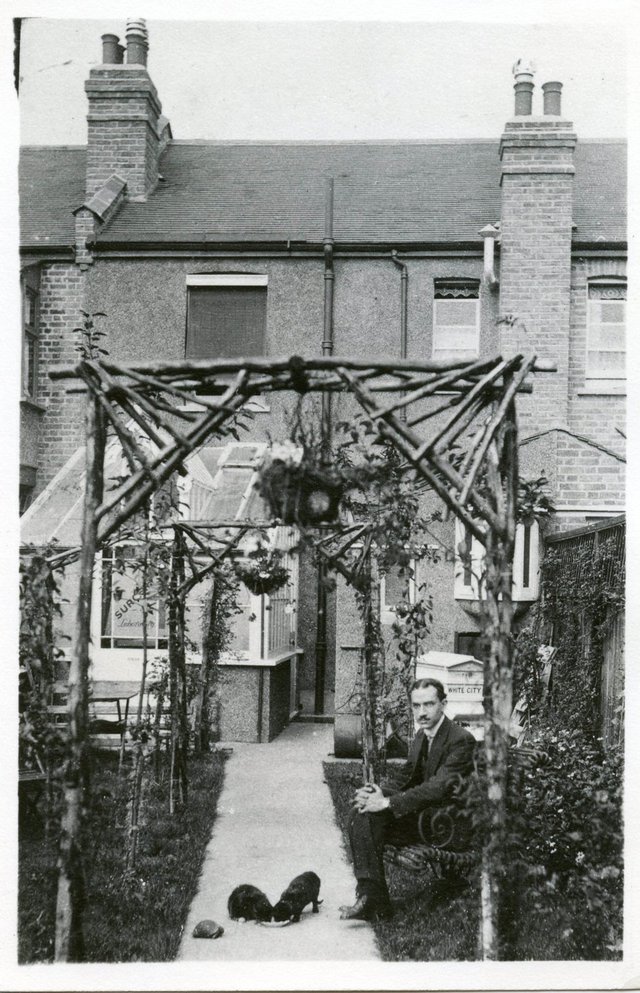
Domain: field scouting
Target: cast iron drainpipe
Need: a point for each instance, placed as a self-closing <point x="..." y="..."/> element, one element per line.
<point x="404" y="286"/>
<point x="327" y="349"/>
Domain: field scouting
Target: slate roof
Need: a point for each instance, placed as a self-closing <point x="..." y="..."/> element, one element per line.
<point x="52" y="185"/>
<point x="385" y="192"/>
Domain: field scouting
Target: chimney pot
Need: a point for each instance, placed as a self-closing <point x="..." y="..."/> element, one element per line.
<point x="121" y="50"/>
<point x="110" y="46"/>
<point x="552" y="97"/>
<point x="523" y="72"/>
<point x="137" y="41"/>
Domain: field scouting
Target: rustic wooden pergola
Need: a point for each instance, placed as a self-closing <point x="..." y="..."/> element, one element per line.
<point x="181" y="405"/>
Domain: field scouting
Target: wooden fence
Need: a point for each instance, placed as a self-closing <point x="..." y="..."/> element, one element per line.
<point x="570" y="546"/>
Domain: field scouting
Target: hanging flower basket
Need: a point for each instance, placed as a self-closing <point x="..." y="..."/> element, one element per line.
<point x="262" y="571"/>
<point x="298" y="490"/>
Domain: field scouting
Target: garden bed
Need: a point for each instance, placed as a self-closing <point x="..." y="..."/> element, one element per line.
<point x="431" y="924"/>
<point x="136" y="917"/>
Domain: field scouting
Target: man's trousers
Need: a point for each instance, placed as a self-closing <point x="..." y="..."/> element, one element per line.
<point x="368" y="834"/>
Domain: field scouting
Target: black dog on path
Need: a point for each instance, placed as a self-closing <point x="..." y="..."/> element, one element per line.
<point x="302" y="890"/>
<point x="248" y="903"/>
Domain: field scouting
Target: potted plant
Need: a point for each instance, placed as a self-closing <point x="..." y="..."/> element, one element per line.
<point x="297" y="487"/>
<point x="261" y="570"/>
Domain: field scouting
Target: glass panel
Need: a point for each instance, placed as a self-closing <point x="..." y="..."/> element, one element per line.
<point x="526" y="556"/>
<point x="127" y="611"/>
<point x="241" y="455"/>
<point x="606" y="364"/>
<point x="121" y="611"/>
<point x="240" y="626"/>
<point x="458" y="337"/>
<point x="105" y="628"/>
<point x="233" y="484"/>
<point x="197" y="601"/>
<point x="454" y="354"/>
<point x="395" y="587"/>
<point x="612" y="311"/>
<point x="226" y="321"/>
<point x="456" y="312"/>
<point x="279" y="620"/>
<point x="607" y="336"/>
<point x="467" y="564"/>
<point x="30" y="299"/>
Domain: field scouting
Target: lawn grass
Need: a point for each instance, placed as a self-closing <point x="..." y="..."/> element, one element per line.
<point x="432" y="925"/>
<point x="137" y="917"/>
<point x="427" y="925"/>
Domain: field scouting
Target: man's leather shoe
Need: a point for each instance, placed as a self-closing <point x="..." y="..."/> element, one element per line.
<point x="366" y="908"/>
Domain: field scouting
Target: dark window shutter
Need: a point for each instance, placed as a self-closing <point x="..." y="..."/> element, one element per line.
<point x="226" y="321"/>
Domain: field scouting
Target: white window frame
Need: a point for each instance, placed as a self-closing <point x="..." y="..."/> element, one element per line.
<point x="450" y="352"/>
<point x="30" y="339"/>
<point x="602" y="378"/>
<point x="227" y="279"/>
<point x="520" y="592"/>
<point x="255" y="404"/>
<point x="388" y="611"/>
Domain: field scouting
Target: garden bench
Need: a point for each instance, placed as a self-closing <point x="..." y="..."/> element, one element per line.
<point x="446" y="846"/>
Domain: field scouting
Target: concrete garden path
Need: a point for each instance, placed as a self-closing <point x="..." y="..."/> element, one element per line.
<point x="275" y="820"/>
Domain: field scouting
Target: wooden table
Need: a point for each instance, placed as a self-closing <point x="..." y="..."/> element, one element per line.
<point x="116" y="691"/>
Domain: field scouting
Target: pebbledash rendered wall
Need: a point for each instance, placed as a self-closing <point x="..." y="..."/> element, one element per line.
<point x="145" y="305"/>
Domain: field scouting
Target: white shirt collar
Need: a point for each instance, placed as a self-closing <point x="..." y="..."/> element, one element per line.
<point x="433" y="732"/>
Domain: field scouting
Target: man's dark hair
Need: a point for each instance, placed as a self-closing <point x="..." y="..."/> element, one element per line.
<point x="421" y="684"/>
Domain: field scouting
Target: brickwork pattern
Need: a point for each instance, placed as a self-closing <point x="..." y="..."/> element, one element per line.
<point x="588" y="477"/>
<point x="122" y="136"/>
<point x="535" y="258"/>
<point x="84" y="231"/>
<point x="61" y="302"/>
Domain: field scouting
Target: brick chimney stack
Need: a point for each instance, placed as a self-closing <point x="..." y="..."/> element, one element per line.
<point x="127" y="132"/>
<point x="536" y="228"/>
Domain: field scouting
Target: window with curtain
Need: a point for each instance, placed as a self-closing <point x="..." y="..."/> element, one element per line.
<point x="121" y="608"/>
<point x="29" y="342"/>
<point x="394" y="589"/>
<point x="606" y="330"/>
<point x="469" y="564"/>
<point x="456" y="320"/>
<point x="226" y="315"/>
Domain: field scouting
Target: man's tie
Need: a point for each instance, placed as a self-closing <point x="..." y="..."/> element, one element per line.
<point x="424" y="754"/>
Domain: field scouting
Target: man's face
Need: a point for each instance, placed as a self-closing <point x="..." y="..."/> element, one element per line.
<point x="427" y="708"/>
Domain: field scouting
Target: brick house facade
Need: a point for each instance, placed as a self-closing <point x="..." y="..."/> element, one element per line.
<point x="129" y="224"/>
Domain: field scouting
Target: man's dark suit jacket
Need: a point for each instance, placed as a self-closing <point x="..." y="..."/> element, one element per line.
<point x="450" y="755"/>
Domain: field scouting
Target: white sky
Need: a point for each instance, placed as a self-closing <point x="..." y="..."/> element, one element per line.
<point x="357" y="79"/>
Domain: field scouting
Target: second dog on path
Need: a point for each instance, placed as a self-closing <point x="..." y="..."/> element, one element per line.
<point x="302" y="890"/>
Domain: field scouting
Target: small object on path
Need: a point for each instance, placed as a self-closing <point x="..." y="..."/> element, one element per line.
<point x="302" y="890"/>
<point x="208" y="929"/>
<point x="248" y="903"/>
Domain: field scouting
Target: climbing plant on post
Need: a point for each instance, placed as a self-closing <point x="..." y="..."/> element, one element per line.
<point x="69" y="941"/>
<point x="177" y="678"/>
<point x="220" y="606"/>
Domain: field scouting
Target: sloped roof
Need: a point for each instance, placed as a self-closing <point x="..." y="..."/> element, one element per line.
<point x="221" y="489"/>
<point x="385" y="192"/>
<point x="52" y="186"/>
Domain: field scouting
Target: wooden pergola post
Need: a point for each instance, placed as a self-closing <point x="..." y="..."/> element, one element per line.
<point x="69" y="942"/>
<point x="502" y="473"/>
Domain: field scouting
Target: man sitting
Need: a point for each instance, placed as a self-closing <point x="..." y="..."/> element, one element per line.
<point x="441" y="751"/>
